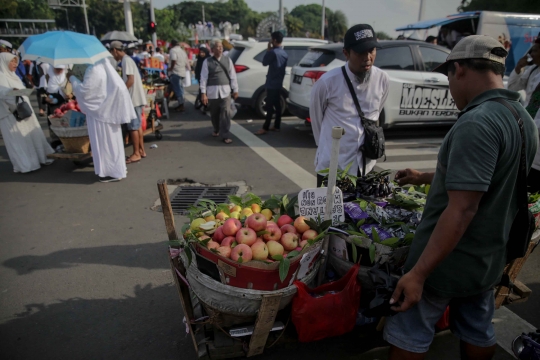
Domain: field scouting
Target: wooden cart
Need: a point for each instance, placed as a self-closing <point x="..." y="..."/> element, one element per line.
<point x="77" y="158"/>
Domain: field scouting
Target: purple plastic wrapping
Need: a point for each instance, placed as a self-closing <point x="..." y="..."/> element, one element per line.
<point x="383" y="233"/>
<point x="354" y="211"/>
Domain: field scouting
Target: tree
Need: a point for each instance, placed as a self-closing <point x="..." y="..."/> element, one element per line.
<point x="294" y="25"/>
<point x="311" y="16"/>
<point x="522" y="6"/>
<point x="381" y="35"/>
<point x="337" y="25"/>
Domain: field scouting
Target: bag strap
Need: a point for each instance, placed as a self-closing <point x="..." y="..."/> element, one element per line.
<point x="223" y="67"/>
<point x="353" y="94"/>
<point x="522" y="170"/>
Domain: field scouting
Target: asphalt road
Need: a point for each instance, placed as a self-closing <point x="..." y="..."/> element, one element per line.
<point x="84" y="271"/>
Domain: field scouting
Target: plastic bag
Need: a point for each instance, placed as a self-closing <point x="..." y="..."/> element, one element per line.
<point x="326" y="311"/>
<point x="234" y="110"/>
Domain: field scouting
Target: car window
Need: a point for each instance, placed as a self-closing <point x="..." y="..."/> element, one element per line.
<point x="259" y="57"/>
<point x="395" y="58"/>
<point x="432" y="57"/>
<point x="317" y="58"/>
<point x="235" y="53"/>
<point x="296" y="53"/>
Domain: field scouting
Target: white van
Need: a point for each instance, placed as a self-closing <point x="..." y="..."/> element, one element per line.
<point x="516" y="32"/>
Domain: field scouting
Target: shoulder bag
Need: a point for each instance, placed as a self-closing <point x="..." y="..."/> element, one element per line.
<point x="523" y="225"/>
<point x="24" y="111"/>
<point x="233" y="109"/>
<point x="374" y="143"/>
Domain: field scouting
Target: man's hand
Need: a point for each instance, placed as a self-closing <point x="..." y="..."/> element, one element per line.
<point x="269" y="45"/>
<point x="409" y="176"/>
<point x="408" y="291"/>
<point x="521" y="64"/>
<point x="204" y="99"/>
<point x="235" y="95"/>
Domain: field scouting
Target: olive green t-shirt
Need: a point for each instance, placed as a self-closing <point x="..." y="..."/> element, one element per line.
<point x="480" y="153"/>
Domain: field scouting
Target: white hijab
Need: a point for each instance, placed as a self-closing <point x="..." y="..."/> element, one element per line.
<point x="8" y="81"/>
<point x="56" y="82"/>
<point x="103" y="95"/>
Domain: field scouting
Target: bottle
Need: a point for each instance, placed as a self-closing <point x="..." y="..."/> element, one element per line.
<point x="54" y="100"/>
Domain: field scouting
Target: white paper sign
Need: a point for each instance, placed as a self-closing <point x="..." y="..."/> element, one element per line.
<point x="338" y="247"/>
<point x="312" y="203"/>
<point x="307" y="262"/>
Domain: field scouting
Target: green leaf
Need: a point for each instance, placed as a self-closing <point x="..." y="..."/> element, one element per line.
<point x="363" y="205"/>
<point x="224" y="208"/>
<point x="390" y="241"/>
<point x="360" y="223"/>
<point x="205" y="242"/>
<point x="284" y="266"/>
<point x="285" y="200"/>
<point x="214" y="251"/>
<point x="184" y="228"/>
<point x="271" y="204"/>
<point x="324" y="171"/>
<point x="375" y="235"/>
<point x="372" y="253"/>
<point x="348" y="167"/>
<point x="293" y="254"/>
<point x="312" y="224"/>
<point x="189" y="254"/>
<point x="325" y="225"/>
<point x="240" y="260"/>
<point x="174" y="243"/>
<point x="277" y="257"/>
<point x="236" y="200"/>
<point x="354" y="253"/>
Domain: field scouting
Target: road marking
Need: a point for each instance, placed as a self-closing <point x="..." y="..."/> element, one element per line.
<point x="508" y="326"/>
<point x="280" y="162"/>
<point x="412" y="151"/>
<point x="399" y="165"/>
<point x="417" y="141"/>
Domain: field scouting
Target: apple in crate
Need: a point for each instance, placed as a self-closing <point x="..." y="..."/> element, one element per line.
<point x="225" y="251"/>
<point x="259" y="250"/>
<point x="300" y="224"/>
<point x="256" y="222"/>
<point x="212" y="245"/>
<point x="222" y="216"/>
<point x="288" y="228"/>
<point x="256" y="208"/>
<point x="309" y="234"/>
<point x="303" y="243"/>
<point x="218" y="235"/>
<point x="231" y="227"/>
<point x="246" y="236"/>
<point x="284" y="220"/>
<point x="273" y="233"/>
<point x="274" y="248"/>
<point x="228" y="241"/>
<point x="267" y="213"/>
<point x="241" y="251"/>
<point x="289" y="241"/>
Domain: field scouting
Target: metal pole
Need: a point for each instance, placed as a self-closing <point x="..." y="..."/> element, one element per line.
<point x="421" y="13"/>
<point x="203" y="20"/>
<point x="86" y="17"/>
<point x="323" y="18"/>
<point x="281" y="15"/>
<point x="127" y="16"/>
<point x="153" y="18"/>
<point x="67" y="18"/>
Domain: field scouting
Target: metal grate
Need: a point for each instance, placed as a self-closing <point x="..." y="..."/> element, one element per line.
<point x="185" y="196"/>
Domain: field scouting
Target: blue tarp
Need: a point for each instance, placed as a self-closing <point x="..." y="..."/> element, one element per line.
<point x="428" y="24"/>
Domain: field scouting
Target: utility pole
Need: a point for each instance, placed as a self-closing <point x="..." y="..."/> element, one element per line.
<point x="421" y="12"/>
<point x="203" y="20"/>
<point x="281" y="15"/>
<point x="85" y="17"/>
<point x="127" y="16"/>
<point x="153" y="19"/>
<point x="323" y="19"/>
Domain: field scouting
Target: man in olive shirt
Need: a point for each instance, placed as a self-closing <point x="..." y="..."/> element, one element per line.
<point x="459" y="249"/>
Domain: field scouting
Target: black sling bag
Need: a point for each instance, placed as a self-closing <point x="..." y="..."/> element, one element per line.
<point x="373" y="146"/>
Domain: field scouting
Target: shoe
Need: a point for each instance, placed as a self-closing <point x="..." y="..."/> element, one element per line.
<point x="108" y="179"/>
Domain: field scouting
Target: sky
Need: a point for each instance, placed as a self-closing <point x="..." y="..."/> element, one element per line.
<point x="383" y="15"/>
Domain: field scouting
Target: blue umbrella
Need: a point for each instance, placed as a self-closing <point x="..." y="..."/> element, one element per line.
<point x="63" y="48"/>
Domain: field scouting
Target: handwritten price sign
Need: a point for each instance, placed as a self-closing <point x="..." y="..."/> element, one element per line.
<point x="312" y="203"/>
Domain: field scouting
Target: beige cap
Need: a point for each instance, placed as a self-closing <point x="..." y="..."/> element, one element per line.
<point x="117" y="45"/>
<point x="474" y="47"/>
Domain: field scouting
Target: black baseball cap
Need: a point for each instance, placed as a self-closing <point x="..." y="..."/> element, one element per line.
<point x="361" y="38"/>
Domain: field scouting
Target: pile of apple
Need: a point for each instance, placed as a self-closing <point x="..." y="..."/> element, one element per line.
<point x="259" y="239"/>
<point x="62" y="110"/>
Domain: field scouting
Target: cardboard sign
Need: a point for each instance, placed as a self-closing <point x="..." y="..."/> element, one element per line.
<point x="312" y="203"/>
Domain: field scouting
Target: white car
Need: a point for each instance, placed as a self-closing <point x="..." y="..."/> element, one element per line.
<point x="247" y="57"/>
<point x="417" y="95"/>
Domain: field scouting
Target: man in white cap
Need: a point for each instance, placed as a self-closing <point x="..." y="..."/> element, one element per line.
<point x="460" y="248"/>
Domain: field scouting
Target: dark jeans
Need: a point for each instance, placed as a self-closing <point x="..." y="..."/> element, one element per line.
<point x="533" y="181"/>
<point x="41" y="104"/>
<point x="272" y="101"/>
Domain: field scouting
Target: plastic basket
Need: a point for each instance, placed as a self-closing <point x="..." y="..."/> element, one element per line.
<point x="69" y="132"/>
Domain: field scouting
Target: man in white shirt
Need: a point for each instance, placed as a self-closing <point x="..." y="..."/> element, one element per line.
<point x="332" y="103"/>
<point x="159" y="54"/>
<point x="217" y="78"/>
<point x="177" y="71"/>
<point x="132" y="78"/>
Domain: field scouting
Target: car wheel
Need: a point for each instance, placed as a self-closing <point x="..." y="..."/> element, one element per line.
<point x="260" y="106"/>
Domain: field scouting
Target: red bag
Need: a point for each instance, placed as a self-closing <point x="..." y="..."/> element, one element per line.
<point x="444" y="321"/>
<point x="333" y="314"/>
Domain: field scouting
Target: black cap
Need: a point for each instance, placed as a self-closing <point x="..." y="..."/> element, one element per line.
<point x="361" y="38"/>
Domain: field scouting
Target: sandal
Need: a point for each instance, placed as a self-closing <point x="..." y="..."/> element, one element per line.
<point x="261" y="132"/>
<point x="227" y="141"/>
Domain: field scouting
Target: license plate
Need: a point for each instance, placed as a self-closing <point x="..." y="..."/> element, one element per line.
<point x="297" y="79"/>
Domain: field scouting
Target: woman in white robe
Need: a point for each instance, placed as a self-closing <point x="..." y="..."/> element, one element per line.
<point x="105" y="100"/>
<point x="25" y="142"/>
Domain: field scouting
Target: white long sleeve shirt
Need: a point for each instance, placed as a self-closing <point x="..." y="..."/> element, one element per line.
<point x="527" y="80"/>
<point x="217" y="91"/>
<point x="332" y="105"/>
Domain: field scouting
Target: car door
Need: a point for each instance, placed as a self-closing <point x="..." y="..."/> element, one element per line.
<point x="296" y="53"/>
<point x="436" y="103"/>
<point x="399" y="64"/>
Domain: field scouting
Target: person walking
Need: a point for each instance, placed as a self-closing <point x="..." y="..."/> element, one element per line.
<point x="132" y="78"/>
<point x="177" y="71"/>
<point x="458" y="252"/>
<point x="526" y="76"/>
<point x="25" y="142"/>
<point x="105" y="99"/>
<point x="218" y="79"/>
<point x="276" y="60"/>
<point x="332" y="103"/>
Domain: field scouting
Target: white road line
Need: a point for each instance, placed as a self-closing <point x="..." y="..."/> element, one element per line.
<point x="430" y="141"/>
<point x="399" y="165"/>
<point x="412" y="151"/>
<point x="508" y="326"/>
<point x="280" y="162"/>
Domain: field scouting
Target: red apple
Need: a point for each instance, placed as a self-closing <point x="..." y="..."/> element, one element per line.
<point x="259" y="250"/>
<point x="274" y="248"/>
<point x="298" y="248"/>
<point x="300" y="224"/>
<point x="303" y="243"/>
<point x="212" y="245"/>
<point x="228" y="241"/>
<point x="57" y="112"/>
<point x="289" y="241"/>
<point x="243" y="251"/>
<point x="256" y="222"/>
<point x="288" y="228"/>
<point x="284" y="219"/>
<point x="272" y="233"/>
<point x="246" y="236"/>
<point x="309" y="234"/>
<point x="70" y="105"/>
<point x="224" y="251"/>
<point x="231" y="227"/>
<point x="218" y="235"/>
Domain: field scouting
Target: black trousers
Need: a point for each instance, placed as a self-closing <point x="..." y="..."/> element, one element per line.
<point x="533" y="181"/>
<point x="272" y="102"/>
<point x="41" y="104"/>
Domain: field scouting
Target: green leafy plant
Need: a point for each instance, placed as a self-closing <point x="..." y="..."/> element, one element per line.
<point x="345" y="181"/>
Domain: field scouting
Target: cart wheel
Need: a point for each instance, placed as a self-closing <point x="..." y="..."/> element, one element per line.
<point x="159" y="135"/>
